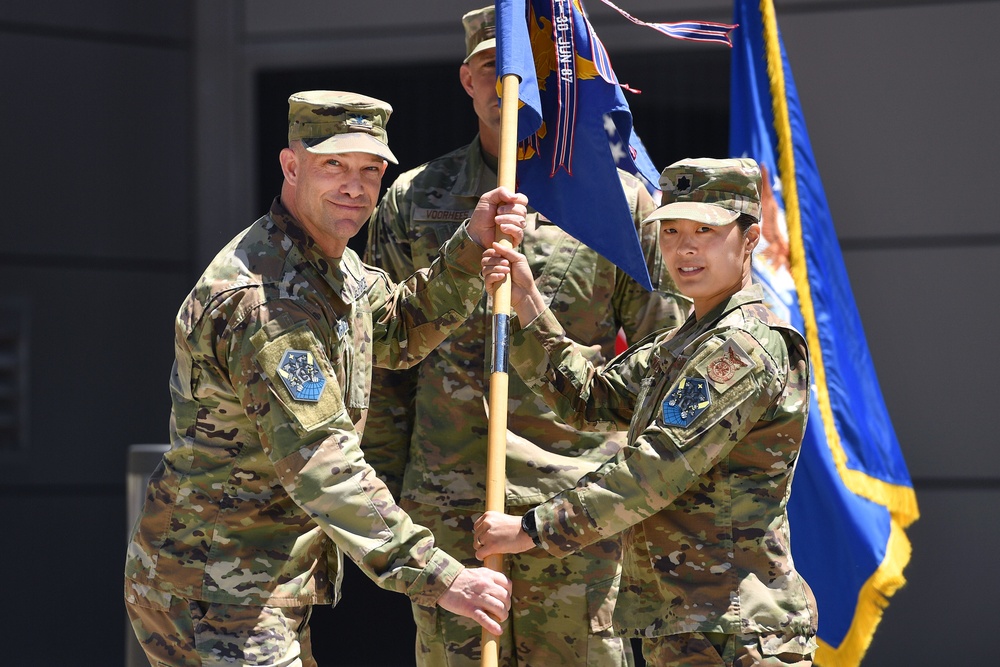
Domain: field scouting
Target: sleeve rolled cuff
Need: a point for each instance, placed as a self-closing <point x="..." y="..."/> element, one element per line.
<point x="563" y="527"/>
<point x="434" y="579"/>
<point x="463" y="252"/>
<point x="544" y="326"/>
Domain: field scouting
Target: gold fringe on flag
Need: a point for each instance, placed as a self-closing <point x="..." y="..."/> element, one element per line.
<point x="900" y="500"/>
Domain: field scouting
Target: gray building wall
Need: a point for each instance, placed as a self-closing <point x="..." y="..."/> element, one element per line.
<point x="95" y="255"/>
<point x="129" y="132"/>
<point x="902" y="117"/>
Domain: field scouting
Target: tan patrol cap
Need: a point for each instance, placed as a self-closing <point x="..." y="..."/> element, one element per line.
<point x="333" y="121"/>
<point x="709" y="191"/>
<point x="480" y="31"/>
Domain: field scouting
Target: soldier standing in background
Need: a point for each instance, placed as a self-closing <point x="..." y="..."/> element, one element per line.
<point x="426" y="433"/>
<point x="247" y="517"/>
<point x="716" y="411"/>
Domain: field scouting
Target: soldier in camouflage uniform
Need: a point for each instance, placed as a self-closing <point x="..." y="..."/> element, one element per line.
<point x="248" y="516"/>
<point x="427" y="431"/>
<point x="716" y="410"/>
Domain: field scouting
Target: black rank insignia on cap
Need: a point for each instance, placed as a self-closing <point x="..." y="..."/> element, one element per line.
<point x="302" y="376"/>
<point x="683" y="183"/>
<point x="685" y="402"/>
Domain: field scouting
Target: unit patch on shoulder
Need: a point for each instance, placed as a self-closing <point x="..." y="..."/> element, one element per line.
<point x="301" y="374"/>
<point x="688" y="399"/>
<point x="728" y="366"/>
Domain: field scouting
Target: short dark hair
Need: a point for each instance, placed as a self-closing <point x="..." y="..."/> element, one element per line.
<point x="745" y="220"/>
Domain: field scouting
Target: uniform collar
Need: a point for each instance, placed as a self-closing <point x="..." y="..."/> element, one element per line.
<point x="692" y="329"/>
<point x="752" y="294"/>
<point x="344" y="275"/>
<point x="476" y="176"/>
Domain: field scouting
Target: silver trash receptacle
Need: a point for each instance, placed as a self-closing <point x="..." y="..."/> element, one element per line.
<point x="142" y="460"/>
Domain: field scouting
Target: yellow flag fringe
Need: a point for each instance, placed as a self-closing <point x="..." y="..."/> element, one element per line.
<point x="900" y="500"/>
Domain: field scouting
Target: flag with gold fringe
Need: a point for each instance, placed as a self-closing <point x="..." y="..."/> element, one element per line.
<point x="852" y="496"/>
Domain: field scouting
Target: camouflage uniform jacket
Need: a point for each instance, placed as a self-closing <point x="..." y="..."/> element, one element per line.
<point x="261" y="493"/>
<point x="433" y="421"/>
<point x="716" y="411"/>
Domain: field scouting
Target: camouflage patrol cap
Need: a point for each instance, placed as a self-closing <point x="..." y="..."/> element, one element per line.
<point x="333" y="121"/>
<point x="480" y="31"/>
<point x="713" y="192"/>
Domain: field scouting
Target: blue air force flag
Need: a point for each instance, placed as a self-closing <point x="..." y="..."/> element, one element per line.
<point x="852" y="495"/>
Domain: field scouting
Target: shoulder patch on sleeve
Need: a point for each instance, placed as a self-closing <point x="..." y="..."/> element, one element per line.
<point x="728" y="366"/>
<point x="685" y="401"/>
<point x="299" y="374"/>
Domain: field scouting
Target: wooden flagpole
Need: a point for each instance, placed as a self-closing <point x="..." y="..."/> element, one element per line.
<point x="496" y="453"/>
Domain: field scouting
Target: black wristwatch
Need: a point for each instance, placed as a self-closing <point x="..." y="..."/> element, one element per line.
<point x="528" y="526"/>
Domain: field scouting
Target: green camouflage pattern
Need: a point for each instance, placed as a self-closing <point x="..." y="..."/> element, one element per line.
<point x="317" y="114"/>
<point x="261" y="494"/>
<point x="426" y="433"/>
<point x="697" y="649"/>
<point x="480" y="30"/>
<point x="710" y="191"/>
<point x="177" y="632"/>
<point x="334" y="121"/>
<point x="561" y="609"/>
<point x="704" y="504"/>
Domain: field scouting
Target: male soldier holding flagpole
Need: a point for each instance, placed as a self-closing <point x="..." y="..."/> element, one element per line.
<point x="247" y="518"/>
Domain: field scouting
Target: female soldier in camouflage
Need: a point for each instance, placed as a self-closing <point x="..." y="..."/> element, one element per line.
<point x="716" y="410"/>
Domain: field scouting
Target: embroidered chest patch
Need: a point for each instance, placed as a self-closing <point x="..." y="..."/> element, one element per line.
<point x="688" y="399"/>
<point x="301" y="374"/>
<point x="341" y="329"/>
<point x="728" y="366"/>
